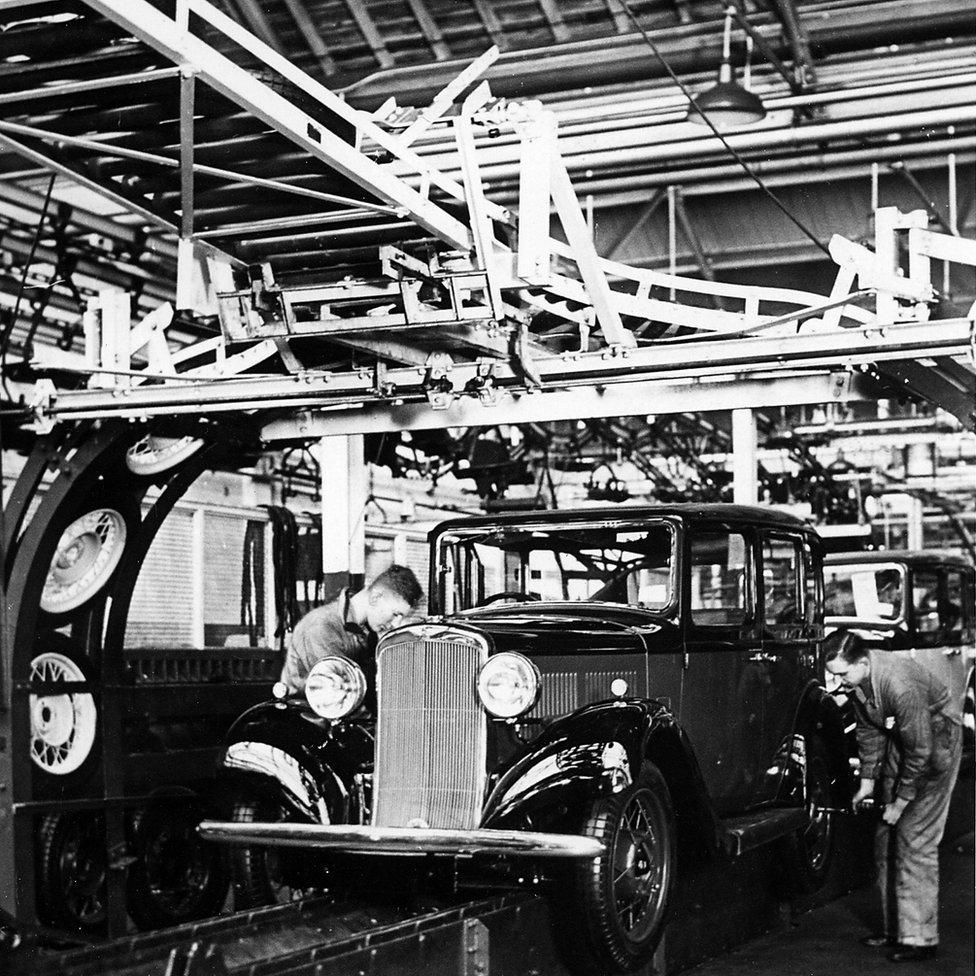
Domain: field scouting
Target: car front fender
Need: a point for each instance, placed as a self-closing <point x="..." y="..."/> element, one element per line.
<point x="596" y="751"/>
<point x="284" y="748"/>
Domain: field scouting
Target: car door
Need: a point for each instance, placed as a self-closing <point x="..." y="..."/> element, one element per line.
<point x="721" y="689"/>
<point x="789" y="628"/>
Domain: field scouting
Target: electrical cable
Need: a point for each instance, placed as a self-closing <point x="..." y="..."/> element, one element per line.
<point x="9" y="328"/>
<point x="732" y="152"/>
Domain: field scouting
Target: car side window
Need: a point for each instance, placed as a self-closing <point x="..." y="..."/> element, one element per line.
<point x="719" y="578"/>
<point x="783" y="600"/>
<point x="925" y="601"/>
<point x="955" y="602"/>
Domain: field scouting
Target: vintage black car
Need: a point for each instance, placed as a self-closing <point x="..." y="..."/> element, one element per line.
<point x="915" y="603"/>
<point x="594" y="692"/>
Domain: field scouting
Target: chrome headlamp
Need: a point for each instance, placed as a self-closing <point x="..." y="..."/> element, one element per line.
<point x="335" y="687"/>
<point x="508" y="685"/>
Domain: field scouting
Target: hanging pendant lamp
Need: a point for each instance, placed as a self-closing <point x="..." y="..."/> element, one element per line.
<point x="727" y="104"/>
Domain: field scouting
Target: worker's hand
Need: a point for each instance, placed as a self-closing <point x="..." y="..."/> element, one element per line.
<point x="865" y="794"/>
<point x="893" y="811"/>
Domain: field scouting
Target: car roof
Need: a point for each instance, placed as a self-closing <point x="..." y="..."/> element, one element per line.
<point x="913" y="556"/>
<point x="712" y="512"/>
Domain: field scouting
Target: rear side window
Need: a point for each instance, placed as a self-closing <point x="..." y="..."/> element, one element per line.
<point x="955" y="610"/>
<point x="719" y="578"/>
<point x="925" y="601"/>
<point x="781" y="581"/>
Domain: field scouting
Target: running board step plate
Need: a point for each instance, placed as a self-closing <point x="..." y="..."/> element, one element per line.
<point x="741" y="834"/>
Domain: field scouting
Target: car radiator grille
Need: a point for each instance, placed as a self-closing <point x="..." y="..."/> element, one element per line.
<point x="431" y="736"/>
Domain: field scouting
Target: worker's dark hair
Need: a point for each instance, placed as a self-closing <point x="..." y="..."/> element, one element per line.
<point x="400" y="581"/>
<point x="846" y="645"/>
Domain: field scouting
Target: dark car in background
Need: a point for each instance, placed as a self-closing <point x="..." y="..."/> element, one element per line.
<point x="595" y="692"/>
<point x="920" y="604"/>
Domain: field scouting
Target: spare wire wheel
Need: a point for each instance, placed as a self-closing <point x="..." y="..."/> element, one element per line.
<point x="63" y="726"/>
<point x="88" y="552"/>
<point x="152" y="454"/>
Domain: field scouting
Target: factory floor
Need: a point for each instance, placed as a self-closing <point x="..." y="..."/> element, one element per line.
<point x="824" y="940"/>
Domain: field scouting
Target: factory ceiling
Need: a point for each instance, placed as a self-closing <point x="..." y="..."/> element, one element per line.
<point x="871" y="104"/>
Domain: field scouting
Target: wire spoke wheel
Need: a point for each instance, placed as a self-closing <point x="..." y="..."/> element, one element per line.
<point x="271" y="875"/>
<point x="808" y="853"/>
<point x="63" y="727"/>
<point x="152" y="454"/>
<point x="638" y="869"/>
<point x="623" y="894"/>
<point x="177" y="877"/>
<point x="88" y="552"/>
<point x="72" y="871"/>
<point x="817" y="837"/>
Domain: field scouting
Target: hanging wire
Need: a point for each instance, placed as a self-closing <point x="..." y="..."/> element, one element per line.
<point x="732" y="152"/>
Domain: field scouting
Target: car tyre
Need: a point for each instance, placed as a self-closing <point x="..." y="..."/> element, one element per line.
<point x="71" y="871"/>
<point x="177" y="877"/>
<point x="267" y="875"/>
<point x="65" y="729"/>
<point x="624" y="893"/>
<point x="810" y="850"/>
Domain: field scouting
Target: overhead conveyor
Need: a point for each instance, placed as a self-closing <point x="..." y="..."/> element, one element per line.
<point x="346" y="269"/>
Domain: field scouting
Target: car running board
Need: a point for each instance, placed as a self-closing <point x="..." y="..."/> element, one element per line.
<point x="741" y="834"/>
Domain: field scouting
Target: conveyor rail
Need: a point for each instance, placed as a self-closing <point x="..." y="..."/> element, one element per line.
<point x="317" y="936"/>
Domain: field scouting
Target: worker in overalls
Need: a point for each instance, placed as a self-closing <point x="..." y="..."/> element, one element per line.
<point x="910" y="746"/>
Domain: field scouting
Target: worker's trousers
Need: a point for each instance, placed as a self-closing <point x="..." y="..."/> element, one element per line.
<point x="907" y="857"/>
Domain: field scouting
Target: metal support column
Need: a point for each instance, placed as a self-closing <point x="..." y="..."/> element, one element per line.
<point x="358" y="499"/>
<point x="745" y="482"/>
<point x="333" y="458"/>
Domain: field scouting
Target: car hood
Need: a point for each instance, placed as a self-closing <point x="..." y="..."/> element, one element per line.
<point x="565" y="629"/>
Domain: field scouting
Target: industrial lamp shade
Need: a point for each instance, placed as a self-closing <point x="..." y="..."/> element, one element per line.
<point x="728" y="104"/>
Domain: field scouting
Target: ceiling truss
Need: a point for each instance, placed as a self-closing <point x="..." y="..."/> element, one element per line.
<point x="449" y="302"/>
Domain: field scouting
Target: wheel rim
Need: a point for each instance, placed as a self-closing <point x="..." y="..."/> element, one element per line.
<point x="88" y="552"/>
<point x="152" y="454"/>
<point x="177" y="868"/>
<point x="62" y="726"/>
<point x="817" y="836"/>
<point x="640" y="868"/>
<point x="81" y="864"/>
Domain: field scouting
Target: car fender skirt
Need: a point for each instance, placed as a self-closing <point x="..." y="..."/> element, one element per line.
<point x="402" y="840"/>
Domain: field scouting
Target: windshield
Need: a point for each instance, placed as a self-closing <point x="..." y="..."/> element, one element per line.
<point x="865" y="592"/>
<point x="627" y="564"/>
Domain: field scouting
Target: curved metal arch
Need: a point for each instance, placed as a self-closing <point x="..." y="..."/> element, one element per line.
<point x="95" y="456"/>
<point x="45" y="454"/>
<point x="127" y="573"/>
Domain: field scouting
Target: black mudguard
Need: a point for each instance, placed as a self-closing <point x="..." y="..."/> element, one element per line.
<point x="820" y="716"/>
<point x="596" y="751"/>
<point x="284" y="748"/>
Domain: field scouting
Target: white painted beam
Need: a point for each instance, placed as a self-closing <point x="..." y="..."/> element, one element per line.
<point x="590" y="402"/>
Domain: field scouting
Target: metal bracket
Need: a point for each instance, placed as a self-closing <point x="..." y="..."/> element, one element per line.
<point x="437" y="382"/>
<point x="483" y="384"/>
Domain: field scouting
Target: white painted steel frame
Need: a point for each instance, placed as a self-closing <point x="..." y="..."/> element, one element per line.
<point x="164" y="35"/>
<point x="695" y="359"/>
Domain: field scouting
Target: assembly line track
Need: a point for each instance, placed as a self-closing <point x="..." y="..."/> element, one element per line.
<point x="295" y="939"/>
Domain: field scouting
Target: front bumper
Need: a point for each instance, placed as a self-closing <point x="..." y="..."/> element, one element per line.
<point x="401" y="840"/>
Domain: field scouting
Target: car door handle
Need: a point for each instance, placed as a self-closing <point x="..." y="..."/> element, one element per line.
<point x="763" y="658"/>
